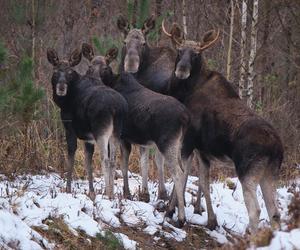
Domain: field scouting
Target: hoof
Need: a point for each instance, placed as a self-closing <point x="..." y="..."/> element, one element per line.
<point x="145" y="197"/>
<point x="212" y="224"/>
<point x="127" y="196"/>
<point x="179" y="223"/>
<point x="198" y="210"/>
<point x="163" y="196"/>
<point x="161" y="206"/>
<point x="68" y="189"/>
<point x="110" y="195"/>
<point x="169" y="213"/>
<point x="92" y="195"/>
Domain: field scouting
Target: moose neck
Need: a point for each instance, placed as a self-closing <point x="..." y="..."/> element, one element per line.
<point x="110" y="79"/>
<point x="144" y="61"/>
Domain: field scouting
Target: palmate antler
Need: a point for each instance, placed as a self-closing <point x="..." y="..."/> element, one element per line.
<point x="176" y="35"/>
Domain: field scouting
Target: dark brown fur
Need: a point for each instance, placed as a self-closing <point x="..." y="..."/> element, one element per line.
<point x="222" y="125"/>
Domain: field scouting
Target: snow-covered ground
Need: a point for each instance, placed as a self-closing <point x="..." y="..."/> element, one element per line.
<point x="29" y="200"/>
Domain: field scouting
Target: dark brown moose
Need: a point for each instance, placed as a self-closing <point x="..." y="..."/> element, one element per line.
<point x="222" y="125"/>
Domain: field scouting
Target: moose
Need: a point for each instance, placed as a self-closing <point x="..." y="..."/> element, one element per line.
<point x="152" y="67"/>
<point x="222" y="125"/>
<point x="90" y="111"/>
<point x="153" y="119"/>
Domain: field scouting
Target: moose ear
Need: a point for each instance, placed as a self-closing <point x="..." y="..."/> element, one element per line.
<point x="52" y="57"/>
<point x="209" y="39"/>
<point x="87" y="51"/>
<point x="111" y="54"/>
<point x="123" y="25"/>
<point x="75" y="58"/>
<point x="148" y="25"/>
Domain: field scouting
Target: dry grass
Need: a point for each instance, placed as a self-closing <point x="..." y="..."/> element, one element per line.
<point x="261" y="239"/>
<point x="294" y="209"/>
<point x="60" y="234"/>
<point x="42" y="147"/>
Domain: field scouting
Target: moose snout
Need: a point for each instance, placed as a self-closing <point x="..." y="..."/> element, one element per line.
<point x="182" y="71"/>
<point x="132" y="61"/>
<point x="61" y="89"/>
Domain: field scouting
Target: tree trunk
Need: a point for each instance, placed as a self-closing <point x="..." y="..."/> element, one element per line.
<point x="232" y="6"/>
<point x="253" y="45"/>
<point x="134" y="13"/>
<point x="158" y="12"/>
<point x="33" y="34"/>
<point x="243" y="50"/>
<point x="265" y="66"/>
<point x="184" y="18"/>
<point x="69" y="20"/>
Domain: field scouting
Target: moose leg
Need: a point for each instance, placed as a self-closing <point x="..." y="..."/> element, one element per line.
<point x="113" y="145"/>
<point x="88" y="153"/>
<point x="172" y="157"/>
<point x="197" y="205"/>
<point x="203" y="173"/>
<point x="102" y="143"/>
<point x="268" y="188"/>
<point x="144" y="195"/>
<point x="125" y="152"/>
<point x="249" y="184"/>
<point x="187" y="164"/>
<point x="72" y="146"/>
<point x="160" y="162"/>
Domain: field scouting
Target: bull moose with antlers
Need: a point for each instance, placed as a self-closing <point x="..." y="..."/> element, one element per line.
<point x="222" y="125"/>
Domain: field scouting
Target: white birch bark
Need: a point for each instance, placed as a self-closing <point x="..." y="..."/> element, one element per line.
<point x="253" y="45"/>
<point x="228" y="71"/>
<point x="243" y="50"/>
<point x="184" y="18"/>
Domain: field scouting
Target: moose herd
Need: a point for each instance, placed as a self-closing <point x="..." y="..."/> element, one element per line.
<point x="167" y="98"/>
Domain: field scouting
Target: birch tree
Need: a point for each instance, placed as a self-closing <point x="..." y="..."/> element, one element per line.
<point x="232" y="7"/>
<point x="243" y="49"/>
<point x="184" y="18"/>
<point x="253" y="45"/>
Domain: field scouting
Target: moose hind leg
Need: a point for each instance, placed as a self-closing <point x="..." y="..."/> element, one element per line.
<point x="172" y="157"/>
<point x="113" y="147"/>
<point x="249" y="185"/>
<point x="187" y="164"/>
<point x="102" y="142"/>
<point x="88" y="152"/>
<point x="203" y="173"/>
<point x="268" y="188"/>
<point x="160" y="162"/>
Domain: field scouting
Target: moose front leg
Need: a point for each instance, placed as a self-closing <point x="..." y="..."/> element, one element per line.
<point x="144" y="195"/>
<point x="72" y="146"/>
<point x="88" y="152"/>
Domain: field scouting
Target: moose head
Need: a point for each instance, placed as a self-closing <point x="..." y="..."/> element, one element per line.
<point x="135" y="46"/>
<point x="99" y="65"/>
<point x="189" y="53"/>
<point x="63" y="72"/>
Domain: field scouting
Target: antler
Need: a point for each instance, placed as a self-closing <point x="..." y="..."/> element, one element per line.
<point x="205" y="46"/>
<point x="164" y="29"/>
<point x="172" y="35"/>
